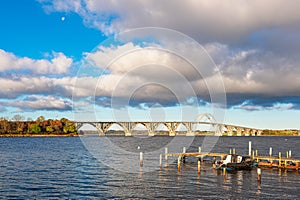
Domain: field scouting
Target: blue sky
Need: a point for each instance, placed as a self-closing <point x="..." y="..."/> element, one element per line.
<point x="64" y="54"/>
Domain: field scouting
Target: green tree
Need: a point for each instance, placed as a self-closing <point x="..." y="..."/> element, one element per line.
<point x="69" y="128"/>
<point x="64" y="121"/>
<point x="49" y="129"/>
<point x="35" y="128"/>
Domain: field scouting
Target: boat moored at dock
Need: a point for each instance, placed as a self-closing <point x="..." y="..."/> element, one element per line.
<point x="234" y="162"/>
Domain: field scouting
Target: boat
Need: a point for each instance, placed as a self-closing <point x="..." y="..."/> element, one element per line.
<point x="234" y="162"/>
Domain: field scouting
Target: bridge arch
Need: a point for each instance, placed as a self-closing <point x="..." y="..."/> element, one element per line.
<point x="211" y="121"/>
<point x="208" y="116"/>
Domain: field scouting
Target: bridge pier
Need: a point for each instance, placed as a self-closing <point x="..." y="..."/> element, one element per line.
<point x="171" y="126"/>
<point x="253" y="132"/>
<point x="239" y="131"/>
<point x="189" y="127"/>
<point x="128" y="127"/>
<point x="151" y="127"/>
<point x="220" y="129"/>
<point x="246" y="131"/>
<point x="229" y="130"/>
<point x="259" y="132"/>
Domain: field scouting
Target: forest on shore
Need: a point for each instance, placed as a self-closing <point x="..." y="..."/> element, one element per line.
<point x="17" y="126"/>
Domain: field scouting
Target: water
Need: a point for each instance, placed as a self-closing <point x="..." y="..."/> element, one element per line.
<point x="43" y="168"/>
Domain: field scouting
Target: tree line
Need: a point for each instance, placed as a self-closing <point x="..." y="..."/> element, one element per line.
<point x="18" y="126"/>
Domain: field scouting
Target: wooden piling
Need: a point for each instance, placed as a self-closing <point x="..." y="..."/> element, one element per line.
<point x="199" y="166"/>
<point x="256" y="153"/>
<point x="270" y="151"/>
<point x="160" y="160"/>
<point x="166" y="154"/>
<point x="184" y="150"/>
<point x="178" y="163"/>
<point x="141" y="159"/>
<point x="258" y="174"/>
<point x="290" y="153"/>
<point x="279" y="156"/>
<point x="285" y="164"/>
<point x="199" y="150"/>
<point x="250" y="148"/>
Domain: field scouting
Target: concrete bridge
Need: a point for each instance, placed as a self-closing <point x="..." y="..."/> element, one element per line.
<point x="172" y="126"/>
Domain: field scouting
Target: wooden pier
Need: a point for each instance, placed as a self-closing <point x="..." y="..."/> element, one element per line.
<point x="277" y="162"/>
<point x="197" y="155"/>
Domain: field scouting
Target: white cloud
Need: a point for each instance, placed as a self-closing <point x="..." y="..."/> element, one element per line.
<point x="57" y="65"/>
<point x="255" y="72"/>
<point x="35" y="102"/>
<point x="200" y="18"/>
<point x="150" y="73"/>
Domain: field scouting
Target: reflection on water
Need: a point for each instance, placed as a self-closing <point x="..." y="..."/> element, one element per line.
<point x="63" y="168"/>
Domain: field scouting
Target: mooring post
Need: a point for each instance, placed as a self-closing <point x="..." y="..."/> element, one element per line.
<point x="285" y="164"/>
<point x="250" y="148"/>
<point x="256" y="153"/>
<point x="184" y="150"/>
<point x="287" y="154"/>
<point x="270" y="152"/>
<point x="199" y="166"/>
<point x="178" y="163"/>
<point x="166" y="154"/>
<point x="279" y="156"/>
<point x="290" y="153"/>
<point x="199" y="150"/>
<point x="141" y="159"/>
<point x="258" y="174"/>
<point x="230" y="151"/>
<point x="160" y="161"/>
<point x="233" y="151"/>
<point x="224" y="174"/>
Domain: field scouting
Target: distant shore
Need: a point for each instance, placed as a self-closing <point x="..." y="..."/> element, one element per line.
<point x="39" y="135"/>
<point x="119" y="135"/>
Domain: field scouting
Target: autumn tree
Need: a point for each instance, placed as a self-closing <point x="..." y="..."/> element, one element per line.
<point x="35" y="128"/>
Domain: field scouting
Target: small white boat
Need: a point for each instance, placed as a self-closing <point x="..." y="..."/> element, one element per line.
<point x="234" y="162"/>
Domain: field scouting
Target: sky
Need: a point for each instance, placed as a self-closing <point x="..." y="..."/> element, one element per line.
<point x="152" y="60"/>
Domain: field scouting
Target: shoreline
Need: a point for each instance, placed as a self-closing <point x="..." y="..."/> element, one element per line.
<point x="119" y="135"/>
<point x="38" y="135"/>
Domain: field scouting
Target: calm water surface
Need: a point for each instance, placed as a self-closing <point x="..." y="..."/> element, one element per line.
<point x="43" y="168"/>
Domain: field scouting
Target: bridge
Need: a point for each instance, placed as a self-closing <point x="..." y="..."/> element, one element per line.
<point x="172" y="126"/>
